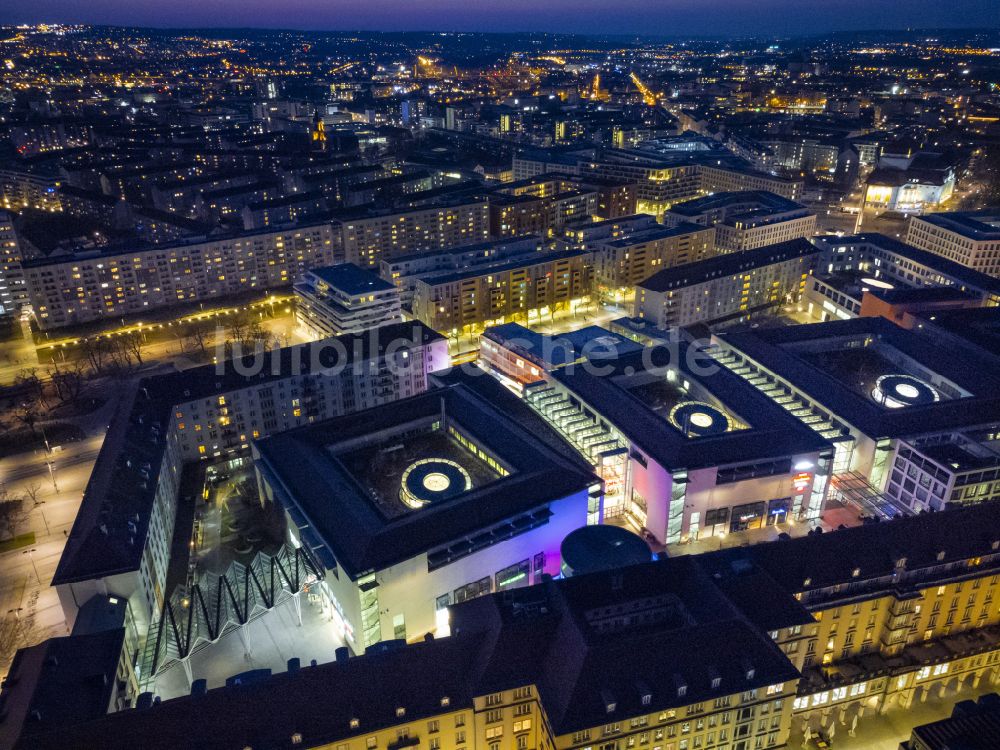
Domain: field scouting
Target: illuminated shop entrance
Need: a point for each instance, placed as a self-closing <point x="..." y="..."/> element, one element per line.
<point x="777" y="510"/>
<point x="716" y="521"/>
<point x="749" y="516"/>
<point x="513" y="577"/>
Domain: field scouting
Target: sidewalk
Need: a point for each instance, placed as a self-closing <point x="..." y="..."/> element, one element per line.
<point x="885" y="732"/>
<point x="833" y="516"/>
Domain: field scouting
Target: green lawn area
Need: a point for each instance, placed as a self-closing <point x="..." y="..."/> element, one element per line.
<point x="22" y="540"/>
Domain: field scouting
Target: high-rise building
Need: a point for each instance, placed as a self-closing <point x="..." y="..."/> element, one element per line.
<point x="13" y="293"/>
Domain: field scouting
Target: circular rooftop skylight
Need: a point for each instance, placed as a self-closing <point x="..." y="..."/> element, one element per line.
<point x="696" y="418"/>
<point x="898" y="391"/>
<point x="431" y="480"/>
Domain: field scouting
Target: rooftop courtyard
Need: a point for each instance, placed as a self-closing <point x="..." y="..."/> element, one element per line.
<point x="402" y="474"/>
<point x="879" y="372"/>
<point x="694" y="414"/>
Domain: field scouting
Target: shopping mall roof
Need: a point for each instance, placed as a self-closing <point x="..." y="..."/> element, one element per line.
<point x="344" y="527"/>
<point x="770" y="433"/>
<point x="967" y="371"/>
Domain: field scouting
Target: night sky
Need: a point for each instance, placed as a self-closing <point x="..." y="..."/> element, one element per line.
<point x="666" y="17"/>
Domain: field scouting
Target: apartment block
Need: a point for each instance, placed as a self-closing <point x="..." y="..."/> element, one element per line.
<point x="728" y="287"/>
<point x="969" y="238"/>
<point x="89" y="286"/>
<point x="345" y="299"/>
<point x="621" y="263"/>
<point x="745" y="220"/>
<point x="366" y="238"/>
<point x="527" y="289"/>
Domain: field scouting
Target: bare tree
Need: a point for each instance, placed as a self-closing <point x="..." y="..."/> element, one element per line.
<point x="27" y="413"/>
<point x="132" y="343"/>
<point x="246" y="336"/>
<point x="200" y="335"/>
<point x="31" y="493"/>
<point x="14" y="512"/>
<point x="28" y="378"/>
<point x="68" y="380"/>
<point x="96" y="351"/>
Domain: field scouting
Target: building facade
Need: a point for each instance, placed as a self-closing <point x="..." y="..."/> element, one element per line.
<point x="527" y="289"/>
<point x="87" y="287"/>
<point x="727" y="288"/>
<point x="345" y="299"/>
<point x="120" y="541"/>
<point x="970" y="239"/>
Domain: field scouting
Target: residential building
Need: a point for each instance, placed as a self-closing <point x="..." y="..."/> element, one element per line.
<point x="745" y="220"/>
<point x="970" y="239"/>
<point x="527" y="288"/>
<point x="13" y="295"/>
<point x="620" y="263"/>
<point x="117" y="281"/>
<point x="405" y="270"/>
<point x="368" y="236"/>
<point x="345" y="298"/>
<point x="727" y="288"/>
<point x="973" y="725"/>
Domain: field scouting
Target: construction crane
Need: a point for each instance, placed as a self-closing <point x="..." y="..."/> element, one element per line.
<point x="647" y="96"/>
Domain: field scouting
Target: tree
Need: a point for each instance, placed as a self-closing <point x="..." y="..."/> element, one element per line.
<point x="28" y="378"/>
<point x="249" y="335"/>
<point x="131" y="343"/>
<point x="989" y="169"/>
<point x="68" y="380"/>
<point x="14" y="512"/>
<point x="97" y="351"/>
<point x="27" y="414"/>
<point x="200" y="335"/>
<point x="31" y="493"/>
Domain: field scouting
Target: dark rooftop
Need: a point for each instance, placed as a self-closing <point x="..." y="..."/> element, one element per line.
<point x="976" y="225"/>
<point x="59" y="682"/>
<point x="704" y="616"/>
<point x="109" y="533"/>
<point x="352" y="279"/>
<point x="727" y="265"/>
<point x="772" y="432"/>
<point x="760" y="199"/>
<point x="328" y="501"/>
<point x="786" y="353"/>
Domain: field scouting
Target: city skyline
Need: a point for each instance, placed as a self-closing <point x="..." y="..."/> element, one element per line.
<point x="713" y="18"/>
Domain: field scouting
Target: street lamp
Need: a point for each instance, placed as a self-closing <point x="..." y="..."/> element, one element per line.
<point x="38" y="505"/>
<point x="48" y="461"/>
<point x="31" y="557"/>
<point x="17" y="614"/>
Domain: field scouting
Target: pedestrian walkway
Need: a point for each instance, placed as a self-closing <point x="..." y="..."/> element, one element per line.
<point x="885" y="731"/>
